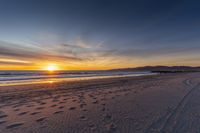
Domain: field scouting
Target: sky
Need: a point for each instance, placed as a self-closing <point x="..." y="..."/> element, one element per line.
<point x="98" y="34"/>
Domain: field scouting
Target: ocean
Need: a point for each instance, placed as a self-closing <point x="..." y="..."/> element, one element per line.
<point x="27" y="77"/>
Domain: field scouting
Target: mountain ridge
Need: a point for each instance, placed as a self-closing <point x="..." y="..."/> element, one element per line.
<point x="161" y="69"/>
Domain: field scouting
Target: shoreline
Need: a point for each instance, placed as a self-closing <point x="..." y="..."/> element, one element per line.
<point x="63" y="79"/>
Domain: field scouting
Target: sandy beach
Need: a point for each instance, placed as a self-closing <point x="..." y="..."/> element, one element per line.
<point x="147" y="104"/>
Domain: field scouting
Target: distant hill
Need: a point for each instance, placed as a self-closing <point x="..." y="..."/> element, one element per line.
<point x="162" y="69"/>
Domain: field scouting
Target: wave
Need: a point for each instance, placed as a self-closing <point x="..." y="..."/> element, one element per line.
<point x="9" y="77"/>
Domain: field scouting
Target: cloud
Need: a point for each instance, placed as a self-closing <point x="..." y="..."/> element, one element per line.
<point x="14" y="63"/>
<point x="21" y="52"/>
<point x="101" y="53"/>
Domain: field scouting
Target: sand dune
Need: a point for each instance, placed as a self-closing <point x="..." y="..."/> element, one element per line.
<point x="149" y="104"/>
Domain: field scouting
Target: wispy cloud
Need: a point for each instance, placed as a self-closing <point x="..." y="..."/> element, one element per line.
<point x="18" y="51"/>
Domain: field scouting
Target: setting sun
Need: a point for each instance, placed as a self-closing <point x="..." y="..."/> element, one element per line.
<point x="51" y="67"/>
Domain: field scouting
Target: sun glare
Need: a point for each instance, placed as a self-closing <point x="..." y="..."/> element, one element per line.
<point x="51" y="67"/>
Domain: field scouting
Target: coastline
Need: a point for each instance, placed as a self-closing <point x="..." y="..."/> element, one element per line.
<point x="55" y="79"/>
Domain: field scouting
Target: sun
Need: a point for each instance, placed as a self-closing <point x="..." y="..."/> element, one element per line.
<point x="51" y="67"/>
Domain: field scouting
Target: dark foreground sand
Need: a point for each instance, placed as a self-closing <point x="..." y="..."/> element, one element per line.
<point x="163" y="103"/>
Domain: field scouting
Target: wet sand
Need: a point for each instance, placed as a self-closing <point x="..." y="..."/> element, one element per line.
<point x="148" y="104"/>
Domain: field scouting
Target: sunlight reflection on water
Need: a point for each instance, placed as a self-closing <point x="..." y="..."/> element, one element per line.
<point x="54" y="80"/>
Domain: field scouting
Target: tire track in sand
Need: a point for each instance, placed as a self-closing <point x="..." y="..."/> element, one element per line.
<point x="167" y="123"/>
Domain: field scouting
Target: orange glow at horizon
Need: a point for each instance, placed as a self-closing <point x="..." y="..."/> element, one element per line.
<point x="51" y="67"/>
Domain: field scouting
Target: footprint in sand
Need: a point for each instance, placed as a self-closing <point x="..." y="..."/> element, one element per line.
<point x="3" y="116"/>
<point x="53" y="105"/>
<point x="83" y="118"/>
<point x="34" y="113"/>
<point x="57" y="97"/>
<point x="72" y="108"/>
<point x="102" y="99"/>
<point x="16" y="106"/>
<point x="58" y="112"/>
<point x="42" y="103"/>
<point x="110" y="92"/>
<point x="41" y="119"/>
<point x="107" y="116"/>
<point x="55" y="100"/>
<point x="30" y="105"/>
<point x="65" y="99"/>
<point x="103" y="104"/>
<point x="16" y="110"/>
<point x="74" y="100"/>
<point x="14" y="125"/>
<point x="113" y="97"/>
<point x="39" y="108"/>
<point x="92" y="126"/>
<point x="94" y="98"/>
<point x="23" y="113"/>
<point x="61" y="102"/>
<point x="95" y="102"/>
<point x="38" y="101"/>
<point x="2" y="122"/>
<point x="84" y="110"/>
<point x="61" y="107"/>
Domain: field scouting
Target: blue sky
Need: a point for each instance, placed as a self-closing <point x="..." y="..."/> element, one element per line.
<point x="99" y="34"/>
